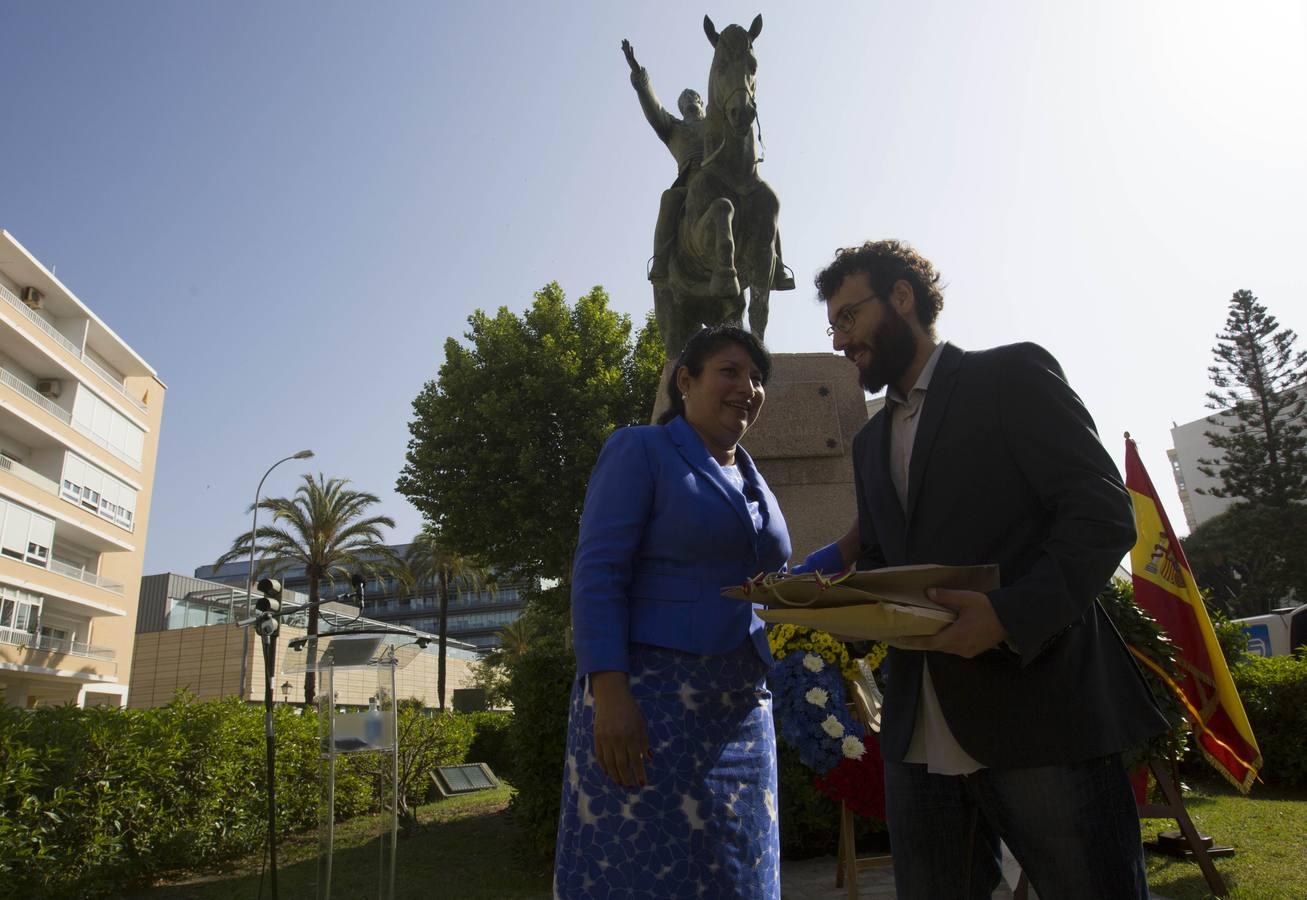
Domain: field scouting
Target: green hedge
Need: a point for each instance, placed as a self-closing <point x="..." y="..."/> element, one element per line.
<point x="1274" y="694"/>
<point x="92" y="800"/>
<point x="539" y="688"/>
<point x="490" y="742"/>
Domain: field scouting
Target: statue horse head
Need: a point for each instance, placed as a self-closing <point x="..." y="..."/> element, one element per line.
<point x="726" y="239"/>
<point x="731" y="103"/>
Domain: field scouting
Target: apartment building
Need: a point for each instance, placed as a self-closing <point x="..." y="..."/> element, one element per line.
<point x="1191" y="445"/>
<point x="79" y="432"/>
<point x="474" y="617"/>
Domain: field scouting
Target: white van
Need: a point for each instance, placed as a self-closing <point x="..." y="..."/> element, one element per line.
<point x="1278" y="633"/>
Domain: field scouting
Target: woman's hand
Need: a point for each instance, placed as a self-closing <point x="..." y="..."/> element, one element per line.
<point x="621" y="744"/>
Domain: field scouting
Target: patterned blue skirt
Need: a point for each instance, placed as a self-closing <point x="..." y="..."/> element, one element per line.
<point x="705" y="824"/>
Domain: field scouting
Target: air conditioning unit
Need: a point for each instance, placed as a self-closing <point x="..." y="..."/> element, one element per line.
<point x="50" y="387"/>
<point x="32" y="297"/>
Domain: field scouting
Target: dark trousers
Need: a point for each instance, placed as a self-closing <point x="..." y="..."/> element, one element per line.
<point x="1074" y="829"/>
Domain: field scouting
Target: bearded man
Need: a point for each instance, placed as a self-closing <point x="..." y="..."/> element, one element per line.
<point x="1009" y="723"/>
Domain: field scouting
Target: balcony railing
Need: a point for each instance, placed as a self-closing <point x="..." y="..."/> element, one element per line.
<point x="27" y="391"/>
<point x="62" y="414"/>
<point x="113" y="382"/>
<point x="85" y="576"/>
<point x="55" y="333"/>
<point x="21" y="471"/>
<point x="22" y="638"/>
<point x="60" y="339"/>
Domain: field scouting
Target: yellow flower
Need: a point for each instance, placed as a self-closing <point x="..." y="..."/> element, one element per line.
<point x="786" y="639"/>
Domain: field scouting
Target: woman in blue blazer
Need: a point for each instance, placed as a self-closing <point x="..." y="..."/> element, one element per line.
<point x="670" y="782"/>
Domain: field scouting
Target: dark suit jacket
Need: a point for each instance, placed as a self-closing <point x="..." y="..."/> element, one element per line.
<point x="1007" y="468"/>
<point x="661" y="534"/>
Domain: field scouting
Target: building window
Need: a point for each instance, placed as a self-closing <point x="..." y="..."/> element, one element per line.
<point x="19" y="610"/>
<point x="88" y="486"/>
<point x="25" y="535"/>
<point x="194" y="613"/>
<point x="107" y="427"/>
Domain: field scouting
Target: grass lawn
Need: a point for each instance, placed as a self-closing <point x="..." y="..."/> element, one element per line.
<point x="465" y="848"/>
<point x="1268" y="830"/>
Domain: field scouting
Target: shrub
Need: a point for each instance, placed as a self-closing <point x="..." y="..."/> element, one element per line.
<point x="490" y="742"/>
<point x="539" y="689"/>
<point x="1140" y="631"/>
<point x="427" y="739"/>
<point x="85" y="797"/>
<point x="1229" y="634"/>
<point x="1274" y="694"/>
<point x="92" y="800"/>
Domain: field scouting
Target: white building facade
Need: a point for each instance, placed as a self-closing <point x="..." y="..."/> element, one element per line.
<point x="79" y="432"/>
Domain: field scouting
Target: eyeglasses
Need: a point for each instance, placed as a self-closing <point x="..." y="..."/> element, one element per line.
<point x="847" y="317"/>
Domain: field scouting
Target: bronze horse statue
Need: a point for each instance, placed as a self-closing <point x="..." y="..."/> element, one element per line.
<point x="727" y="239"/>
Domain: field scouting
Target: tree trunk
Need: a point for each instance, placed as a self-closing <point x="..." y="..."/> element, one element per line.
<point x="444" y="623"/>
<point x="310" y="677"/>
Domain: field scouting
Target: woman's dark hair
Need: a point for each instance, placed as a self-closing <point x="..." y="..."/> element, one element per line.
<point x="705" y="343"/>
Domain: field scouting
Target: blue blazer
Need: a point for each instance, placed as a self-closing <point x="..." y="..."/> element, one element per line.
<point x="662" y="533"/>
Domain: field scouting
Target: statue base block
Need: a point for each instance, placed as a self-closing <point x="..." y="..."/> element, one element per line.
<point x="803" y="443"/>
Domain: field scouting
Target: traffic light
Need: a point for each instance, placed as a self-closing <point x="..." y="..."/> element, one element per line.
<point x="270" y="602"/>
<point x="269" y="605"/>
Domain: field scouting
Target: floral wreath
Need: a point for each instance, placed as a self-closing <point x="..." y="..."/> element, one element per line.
<point x="810" y="700"/>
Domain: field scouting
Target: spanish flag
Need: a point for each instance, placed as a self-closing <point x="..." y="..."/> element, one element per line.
<point x="1165" y="589"/>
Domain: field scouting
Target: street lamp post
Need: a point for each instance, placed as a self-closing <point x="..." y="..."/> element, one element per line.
<point x="269" y="656"/>
<point x="254" y="525"/>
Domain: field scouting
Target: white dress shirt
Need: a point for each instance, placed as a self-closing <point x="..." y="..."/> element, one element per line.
<point x="933" y="743"/>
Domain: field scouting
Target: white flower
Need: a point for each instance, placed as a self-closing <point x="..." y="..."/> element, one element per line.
<point x="852" y="748"/>
<point x="813" y="663"/>
<point x="832" y="726"/>
<point x="817" y="696"/>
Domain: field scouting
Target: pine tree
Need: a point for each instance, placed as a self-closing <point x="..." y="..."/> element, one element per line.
<point x="1259" y="393"/>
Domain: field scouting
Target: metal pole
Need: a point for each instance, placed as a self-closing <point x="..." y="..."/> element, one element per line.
<point x="254" y="525"/>
<point x="269" y="655"/>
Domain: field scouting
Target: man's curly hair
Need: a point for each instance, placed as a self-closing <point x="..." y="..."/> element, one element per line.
<point x="884" y="263"/>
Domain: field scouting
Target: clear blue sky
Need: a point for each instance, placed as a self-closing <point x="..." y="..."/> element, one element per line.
<point x="286" y="208"/>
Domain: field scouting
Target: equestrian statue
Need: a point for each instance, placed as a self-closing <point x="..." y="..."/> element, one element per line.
<point x="716" y="231"/>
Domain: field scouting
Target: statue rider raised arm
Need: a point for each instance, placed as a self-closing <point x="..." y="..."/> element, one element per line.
<point x="684" y="138"/>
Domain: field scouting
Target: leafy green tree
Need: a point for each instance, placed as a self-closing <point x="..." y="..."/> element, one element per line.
<point x="324" y="528"/>
<point x="431" y="563"/>
<point x="1251" y="558"/>
<point x="503" y="441"/>
<point x="1259" y="382"/>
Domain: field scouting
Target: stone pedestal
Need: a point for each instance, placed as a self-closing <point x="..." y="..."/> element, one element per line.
<point x="803" y="441"/>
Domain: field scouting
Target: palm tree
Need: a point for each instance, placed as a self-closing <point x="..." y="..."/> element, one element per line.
<point x="431" y="562"/>
<point x="515" y="639"/>
<point x="325" y="528"/>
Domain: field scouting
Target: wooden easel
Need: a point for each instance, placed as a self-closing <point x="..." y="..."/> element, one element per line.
<point x="849" y="864"/>
<point x="1173" y="808"/>
<point x="866" y="709"/>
